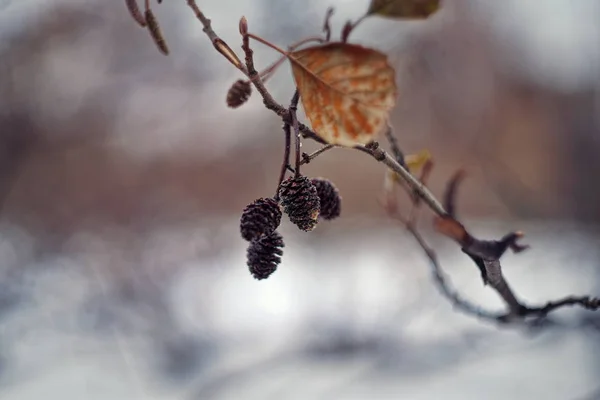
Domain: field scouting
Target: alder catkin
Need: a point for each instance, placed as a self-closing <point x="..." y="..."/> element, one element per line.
<point x="135" y="12"/>
<point x="155" y="32"/>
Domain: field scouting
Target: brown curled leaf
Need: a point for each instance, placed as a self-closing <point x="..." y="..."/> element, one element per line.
<point x="135" y="12"/>
<point x="450" y="194"/>
<point x="453" y="229"/>
<point x="155" y="32"/>
<point x="423" y="178"/>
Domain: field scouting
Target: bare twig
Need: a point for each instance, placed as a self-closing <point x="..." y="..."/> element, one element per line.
<point x="350" y="26"/>
<point x="326" y="23"/>
<point x="306" y="158"/>
<point x="587" y="302"/>
<point x="382" y="156"/>
<point x="444" y="285"/>
<point x="287" y="132"/>
<point x="416" y="199"/>
<point x="293" y="108"/>
<point x="395" y="146"/>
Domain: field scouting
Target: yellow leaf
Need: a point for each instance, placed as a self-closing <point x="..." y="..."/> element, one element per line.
<point x="347" y="91"/>
<point x="416" y="161"/>
<point x="409" y="9"/>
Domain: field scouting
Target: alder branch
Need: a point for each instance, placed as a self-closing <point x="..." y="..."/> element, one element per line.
<point x="485" y="254"/>
<point x="306" y="158"/>
<point x="444" y="285"/>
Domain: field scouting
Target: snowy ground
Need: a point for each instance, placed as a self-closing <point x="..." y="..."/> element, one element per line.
<point x="337" y="321"/>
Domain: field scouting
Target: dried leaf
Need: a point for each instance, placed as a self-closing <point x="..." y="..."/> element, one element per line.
<point x="347" y="91"/>
<point x="453" y="229"/>
<point x="425" y="172"/>
<point x="227" y="52"/>
<point x="409" y="9"/>
<point x="451" y="190"/>
<point x="418" y="160"/>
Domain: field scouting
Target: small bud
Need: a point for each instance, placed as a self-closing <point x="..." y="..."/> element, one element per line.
<point x="300" y="202"/>
<point x="329" y="197"/>
<point x="264" y="255"/>
<point x="259" y="218"/>
<point x="243" y="26"/>
<point x="239" y="93"/>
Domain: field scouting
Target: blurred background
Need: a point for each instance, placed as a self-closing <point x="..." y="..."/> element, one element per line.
<point x="123" y="175"/>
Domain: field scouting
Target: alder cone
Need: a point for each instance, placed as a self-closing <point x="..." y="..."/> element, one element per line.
<point x="264" y="255"/>
<point x="300" y="202"/>
<point x="329" y="197"/>
<point x="261" y="217"/>
<point x="239" y="93"/>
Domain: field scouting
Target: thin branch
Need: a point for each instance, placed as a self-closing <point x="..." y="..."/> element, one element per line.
<point x="286" y="157"/>
<point x="382" y="156"/>
<point x="395" y="146"/>
<point x="587" y="302"/>
<point x="443" y="284"/>
<point x="268" y="72"/>
<point x="203" y="20"/>
<point x="293" y="108"/>
<point x="350" y="26"/>
<point x="327" y="24"/>
<point x="416" y="199"/>
<point x="306" y="158"/>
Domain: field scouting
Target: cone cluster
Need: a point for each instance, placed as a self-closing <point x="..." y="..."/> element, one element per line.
<point x="304" y="201"/>
<point x="258" y="225"/>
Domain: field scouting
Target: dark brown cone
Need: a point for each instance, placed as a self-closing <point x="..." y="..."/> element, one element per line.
<point x="329" y="196"/>
<point x="300" y="202"/>
<point x="264" y="255"/>
<point x="239" y="93"/>
<point x="261" y="217"/>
